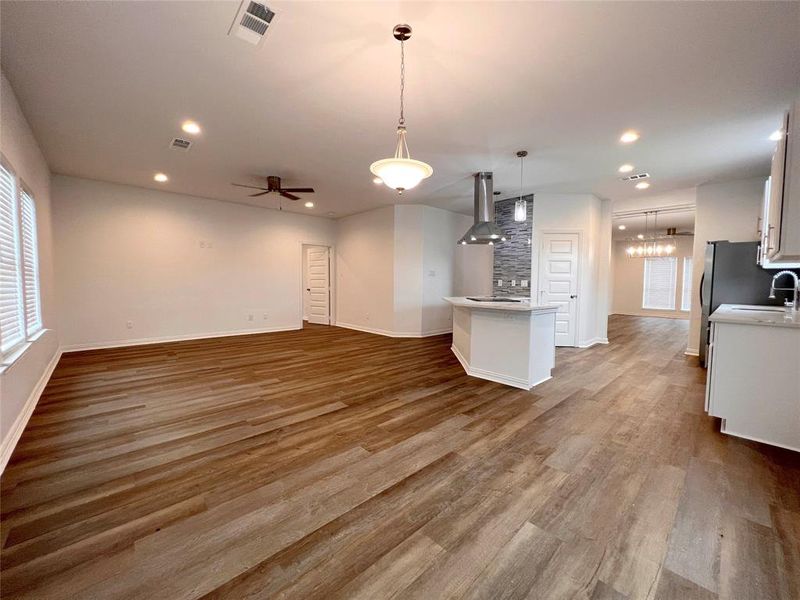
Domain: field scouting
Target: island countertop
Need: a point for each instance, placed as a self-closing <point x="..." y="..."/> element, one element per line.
<point x="524" y="304"/>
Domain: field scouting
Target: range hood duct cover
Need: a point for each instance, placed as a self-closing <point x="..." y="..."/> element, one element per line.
<point x="484" y="231"/>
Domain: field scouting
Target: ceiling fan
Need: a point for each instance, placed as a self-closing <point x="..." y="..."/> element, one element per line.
<point x="274" y="185"/>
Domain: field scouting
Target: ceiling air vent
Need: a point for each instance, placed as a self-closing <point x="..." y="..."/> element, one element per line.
<point x="180" y="144"/>
<point x="635" y="177"/>
<point x="251" y="22"/>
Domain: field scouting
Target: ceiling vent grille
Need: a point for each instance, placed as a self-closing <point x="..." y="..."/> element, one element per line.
<point x="635" y="177"/>
<point x="180" y="144"/>
<point x="251" y="22"/>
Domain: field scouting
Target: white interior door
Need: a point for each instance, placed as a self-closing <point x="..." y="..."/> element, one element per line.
<point x="558" y="282"/>
<point x="318" y="285"/>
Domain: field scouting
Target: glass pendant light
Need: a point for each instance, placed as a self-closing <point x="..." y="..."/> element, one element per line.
<point x="401" y="172"/>
<point x="521" y="206"/>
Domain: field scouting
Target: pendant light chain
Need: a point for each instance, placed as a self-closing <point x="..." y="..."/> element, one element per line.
<point x="521" y="166"/>
<point x="402" y="80"/>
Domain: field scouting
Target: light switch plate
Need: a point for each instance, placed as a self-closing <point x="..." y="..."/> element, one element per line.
<point x="499" y="283"/>
<point x="524" y="283"/>
<point x="513" y="283"/>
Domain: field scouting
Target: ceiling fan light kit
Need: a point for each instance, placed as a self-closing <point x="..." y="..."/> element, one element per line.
<point x="401" y="172"/>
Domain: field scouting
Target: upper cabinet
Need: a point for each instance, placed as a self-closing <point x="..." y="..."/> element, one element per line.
<point x="780" y="220"/>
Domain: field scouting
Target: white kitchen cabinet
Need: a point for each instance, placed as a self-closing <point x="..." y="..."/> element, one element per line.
<point x="753" y="380"/>
<point x="780" y="218"/>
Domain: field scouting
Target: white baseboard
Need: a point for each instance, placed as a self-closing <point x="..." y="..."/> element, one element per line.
<point x="516" y="382"/>
<point x="592" y="342"/>
<point x="692" y="352"/>
<point x="175" y="338"/>
<point x="394" y="334"/>
<point x="7" y="446"/>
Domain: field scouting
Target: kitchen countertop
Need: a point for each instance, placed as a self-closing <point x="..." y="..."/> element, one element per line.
<point x="524" y="306"/>
<point x="746" y="314"/>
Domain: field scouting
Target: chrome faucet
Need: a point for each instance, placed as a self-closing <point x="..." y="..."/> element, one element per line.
<point x="795" y="289"/>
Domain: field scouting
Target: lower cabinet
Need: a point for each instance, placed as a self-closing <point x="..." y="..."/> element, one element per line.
<point x="753" y="382"/>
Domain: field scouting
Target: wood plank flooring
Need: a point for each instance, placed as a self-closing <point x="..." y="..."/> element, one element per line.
<point x="329" y="463"/>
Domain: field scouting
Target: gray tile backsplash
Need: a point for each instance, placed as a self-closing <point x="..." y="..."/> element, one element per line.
<point x="512" y="258"/>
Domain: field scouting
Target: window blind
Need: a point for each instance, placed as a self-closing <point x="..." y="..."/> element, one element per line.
<point x="660" y="276"/>
<point x="12" y="324"/>
<point x="30" y="266"/>
<point x="686" y="292"/>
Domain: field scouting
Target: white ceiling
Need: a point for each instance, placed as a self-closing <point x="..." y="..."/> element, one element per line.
<point x="105" y="86"/>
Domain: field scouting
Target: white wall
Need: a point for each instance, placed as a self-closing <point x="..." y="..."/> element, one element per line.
<point x="365" y="270"/>
<point x="591" y="217"/>
<point x="629" y="281"/>
<point x="22" y="382"/>
<point x="397" y="263"/>
<point x="725" y="211"/>
<point x="408" y="265"/>
<point x="173" y="266"/>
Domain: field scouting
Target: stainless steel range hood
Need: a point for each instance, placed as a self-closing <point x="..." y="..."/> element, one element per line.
<point x="484" y="231"/>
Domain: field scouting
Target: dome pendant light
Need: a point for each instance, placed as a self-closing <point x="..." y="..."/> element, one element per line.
<point x="401" y="172"/>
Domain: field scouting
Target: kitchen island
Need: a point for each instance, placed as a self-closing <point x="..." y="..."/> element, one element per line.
<point x="507" y="340"/>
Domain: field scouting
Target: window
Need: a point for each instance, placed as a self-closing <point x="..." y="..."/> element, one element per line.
<point x="686" y="293"/>
<point x="660" y="275"/>
<point x="20" y="301"/>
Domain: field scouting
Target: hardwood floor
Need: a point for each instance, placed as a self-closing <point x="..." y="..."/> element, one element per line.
<point x="328" y="463"/>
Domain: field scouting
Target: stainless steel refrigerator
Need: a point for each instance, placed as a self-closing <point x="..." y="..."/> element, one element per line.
<point x="731" y="276"/>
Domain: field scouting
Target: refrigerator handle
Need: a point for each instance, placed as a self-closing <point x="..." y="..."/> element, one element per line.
<point x="702" y="279"/>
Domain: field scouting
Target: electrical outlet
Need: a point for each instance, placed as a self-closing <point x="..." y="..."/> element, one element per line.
<point x="129" y="324"/>
<point x="265" y="316"/>
<point x="250" y="317"/>
<point x="513" y="283"/>
<point x="524" y="283"/>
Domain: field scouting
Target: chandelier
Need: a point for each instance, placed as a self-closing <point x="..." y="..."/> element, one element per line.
<point x="401" y="172"/>
<point x="652" y="245"/>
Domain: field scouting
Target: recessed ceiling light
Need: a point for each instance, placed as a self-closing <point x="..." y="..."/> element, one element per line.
<point x="377" y="181"/>
<point x="160" y="177"/>
<point x="622" y="228"/>
<point x="626" y="168"/>
<point x="191" y="127"/>
<point x="640" y="236"/>
<point x="629" y="136"/>
<point x="776" y="136"/>
<point x="309" y="204"/>
<point x="642" y="185"/>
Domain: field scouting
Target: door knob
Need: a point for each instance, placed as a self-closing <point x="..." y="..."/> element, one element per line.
<point x="573" y="296"/>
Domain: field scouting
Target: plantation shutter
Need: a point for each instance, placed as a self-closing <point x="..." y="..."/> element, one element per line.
<point x="12" y="322"/>
<point x="686" y="292"/>
<point x="30" y="266"/>
<point x="659" y="283"/>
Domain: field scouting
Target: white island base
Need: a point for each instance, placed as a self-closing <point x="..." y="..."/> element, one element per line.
<point x="507" y="342"/>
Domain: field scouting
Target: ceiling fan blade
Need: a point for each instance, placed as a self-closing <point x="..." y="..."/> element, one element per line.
<point x="259" y="194"/>
<point x="252" y="187"/>
<point x="289" y="196"/>
<point x="299" y="190"/>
